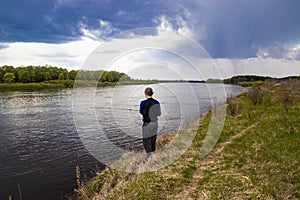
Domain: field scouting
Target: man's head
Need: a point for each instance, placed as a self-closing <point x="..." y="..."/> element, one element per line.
<point x="148" y="92"/>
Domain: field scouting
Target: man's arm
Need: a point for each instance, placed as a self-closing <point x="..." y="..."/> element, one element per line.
<point x="142" y="104"/>
<point x="158" y="109"/>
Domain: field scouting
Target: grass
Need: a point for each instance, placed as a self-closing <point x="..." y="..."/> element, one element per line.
<point x="251" y="83"/>
<point x="63" y="84"/>
<point x="257" y="156"/>
<point x="47" y="85"/>
<point x="34" y="86"/>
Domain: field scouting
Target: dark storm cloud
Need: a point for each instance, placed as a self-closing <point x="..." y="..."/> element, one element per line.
<point x="59" y="20"/>
<point x="238" y="29"/>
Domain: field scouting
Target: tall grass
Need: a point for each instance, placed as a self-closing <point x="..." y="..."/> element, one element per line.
<point x="36" y="86"/>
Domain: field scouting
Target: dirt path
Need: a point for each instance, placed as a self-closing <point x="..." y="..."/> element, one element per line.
<point x="206" y="164"/>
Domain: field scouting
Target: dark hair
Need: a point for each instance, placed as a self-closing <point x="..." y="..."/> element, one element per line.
<point x="149" y="91"/>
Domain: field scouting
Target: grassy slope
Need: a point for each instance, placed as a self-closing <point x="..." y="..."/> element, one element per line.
<point x="257" y="156"/>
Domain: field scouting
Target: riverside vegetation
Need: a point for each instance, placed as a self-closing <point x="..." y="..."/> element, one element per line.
<point x="33" y="78"/>
<point x="257" y="155"/>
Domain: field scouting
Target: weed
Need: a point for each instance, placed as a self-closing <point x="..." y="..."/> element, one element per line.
<point x="255" y="95"/>
<point x="232" y="106"/>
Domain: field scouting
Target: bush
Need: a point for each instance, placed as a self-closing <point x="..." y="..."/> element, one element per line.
<point x="251" y="84"/>
<point x="255" y="95"/>
<point x="9" y="77"/>
<point x="232" y="106"/>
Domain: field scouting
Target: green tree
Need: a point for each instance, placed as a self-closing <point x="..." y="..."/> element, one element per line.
<point x="47" y="76"/>
<point x="115" y="76"/>
<point x="39" y="76"/>
<point x="123" y="77"/>
<point x="10" y="69"/>
<point x="54" y="71"/>
<point x="26" y="74"/>
<point x="61" y="76"/>
<point x="109" y="77"/>
<point x="1" y="74"/>
<point x="9" y="77"/>
<point x="23" y="75"/>
<point x="103" y="78"/>
<point x="31" y="73"/>
<point x="72" y="74"/>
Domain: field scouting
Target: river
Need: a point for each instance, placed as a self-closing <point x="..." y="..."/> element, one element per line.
<point x="40" y="145"/>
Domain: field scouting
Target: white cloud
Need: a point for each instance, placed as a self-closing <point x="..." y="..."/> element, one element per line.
<point x="164" y="23"/>
<point x="184" y="23"/>
<point x="256" y="66"/>
<point x="162" y="56"/>
<point x="294" y="52"/>
<point x="184" y="27"/>
<point x="134" y="56"/>
<point x="280" y="51"/>
<point x="144" y="64"/>
<point x="104" y="30"/>
<point x="70" y="55"/>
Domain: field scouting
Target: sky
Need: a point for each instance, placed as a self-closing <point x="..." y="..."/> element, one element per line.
<point x="241" y="37"/>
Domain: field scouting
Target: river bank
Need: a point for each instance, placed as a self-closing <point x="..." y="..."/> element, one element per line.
<point x="64" y="84"/>
<point x="257" y="156"/>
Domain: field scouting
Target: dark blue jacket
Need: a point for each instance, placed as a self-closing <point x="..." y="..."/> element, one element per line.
<point x="150" y="109"/>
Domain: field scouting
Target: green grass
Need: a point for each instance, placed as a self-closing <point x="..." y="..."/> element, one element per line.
<point x="251" y="84"/>
<point x="259" y="156"/>
<point x="63" y="84"/>
<point x="36" y="86"/>
<point x="264" y="161"/>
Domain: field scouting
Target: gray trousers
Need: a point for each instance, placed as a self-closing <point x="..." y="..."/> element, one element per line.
<point x="149" y="136"/>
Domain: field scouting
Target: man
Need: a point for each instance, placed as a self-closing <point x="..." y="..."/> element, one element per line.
<point x="150" y="109"/>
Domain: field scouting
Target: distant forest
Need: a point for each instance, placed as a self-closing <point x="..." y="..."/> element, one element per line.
<point x="37" y="74"/>
<point x="253" y="78"/>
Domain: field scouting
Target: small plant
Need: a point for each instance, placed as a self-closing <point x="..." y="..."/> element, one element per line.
<point x="287" y="100"/>
<point x="288" y="125"/>
<point x="232" y="106"/>
<point x="255" y="95"/>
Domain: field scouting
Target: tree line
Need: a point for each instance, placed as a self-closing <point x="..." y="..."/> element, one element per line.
<point x="254" y="78"/>
<point x="37" y="74"/>
<point x="250" y="78"/>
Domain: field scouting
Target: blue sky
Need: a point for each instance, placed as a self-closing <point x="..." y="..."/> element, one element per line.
<point x="227" y="29"/>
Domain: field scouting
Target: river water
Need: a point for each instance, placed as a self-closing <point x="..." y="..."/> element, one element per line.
<point x="40" y="145"/>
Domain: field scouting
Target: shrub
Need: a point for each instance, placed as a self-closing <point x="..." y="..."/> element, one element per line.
<point x="232" y="106"/>
<point x="255" y="95"/>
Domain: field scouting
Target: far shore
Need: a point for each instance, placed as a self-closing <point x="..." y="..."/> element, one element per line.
<point x="63" y="84"/>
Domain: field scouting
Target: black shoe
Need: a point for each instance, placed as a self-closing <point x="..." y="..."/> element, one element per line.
<point x="147" y="157"/>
